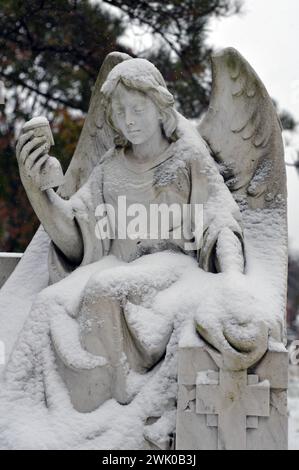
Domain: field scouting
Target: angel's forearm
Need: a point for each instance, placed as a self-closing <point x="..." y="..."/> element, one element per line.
<point x="56" y="216"/>
<point x="229" y="252"/>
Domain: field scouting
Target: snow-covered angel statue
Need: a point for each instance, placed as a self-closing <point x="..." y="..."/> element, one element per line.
<point x="102" y="338"/>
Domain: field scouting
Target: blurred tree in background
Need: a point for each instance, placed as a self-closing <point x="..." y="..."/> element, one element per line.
<point x="50" y="55"/>
<point x="183" y="57"/>
<point x="51" y="52"/>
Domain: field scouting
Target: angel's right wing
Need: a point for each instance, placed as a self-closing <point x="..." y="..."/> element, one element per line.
<point x="96" y="136"/>
<point x="243" y="131"/>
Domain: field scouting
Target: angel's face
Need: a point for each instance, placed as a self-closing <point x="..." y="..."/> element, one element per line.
<point x="135" y="115"/>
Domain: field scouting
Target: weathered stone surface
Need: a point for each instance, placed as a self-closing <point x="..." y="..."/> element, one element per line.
<point x="245" y="411"/>
<point x="105" y="321"/>
<point x="8" y="262"/>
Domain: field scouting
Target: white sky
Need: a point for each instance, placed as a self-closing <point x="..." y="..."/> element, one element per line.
<point x="267" y="34"/>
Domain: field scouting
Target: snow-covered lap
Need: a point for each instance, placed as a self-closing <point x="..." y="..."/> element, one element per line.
<point x="32" y="367"/>
<point x="161" y="292"/>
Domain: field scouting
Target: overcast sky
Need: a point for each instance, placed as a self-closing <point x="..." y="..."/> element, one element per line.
<point x="267" y="34"/>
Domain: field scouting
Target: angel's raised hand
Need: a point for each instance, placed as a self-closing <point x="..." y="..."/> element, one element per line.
<point x="31" y="155"/>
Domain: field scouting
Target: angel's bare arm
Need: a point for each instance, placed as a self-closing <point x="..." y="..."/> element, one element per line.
<point x="229" y="252"/>
<point x="56" y="216"/>
<point x="54" y="213"/>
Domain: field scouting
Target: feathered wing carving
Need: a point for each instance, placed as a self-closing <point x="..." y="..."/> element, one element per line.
<point x="96" y="136"/>
<point x="244" y="133"/>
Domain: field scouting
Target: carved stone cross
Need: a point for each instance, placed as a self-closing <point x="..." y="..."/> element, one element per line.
<point x="230" y="400"/>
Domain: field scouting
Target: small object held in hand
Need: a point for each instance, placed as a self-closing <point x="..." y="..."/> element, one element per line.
<point x="51" y="173"/>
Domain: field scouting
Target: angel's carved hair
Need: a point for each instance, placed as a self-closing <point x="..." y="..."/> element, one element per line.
<point x="140" y="75"/>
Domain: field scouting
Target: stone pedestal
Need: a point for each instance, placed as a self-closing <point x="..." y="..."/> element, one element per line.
<point x="225" y="410"/>
<point x="8" y="262"/>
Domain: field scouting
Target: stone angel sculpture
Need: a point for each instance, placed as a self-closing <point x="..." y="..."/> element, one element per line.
<point x="97" y="347"/>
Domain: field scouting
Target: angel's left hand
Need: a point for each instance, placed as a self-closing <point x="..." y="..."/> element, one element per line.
<point x="241" y="343"/>
<point x="229" y="252"/>
<point x="233" y="322"/>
